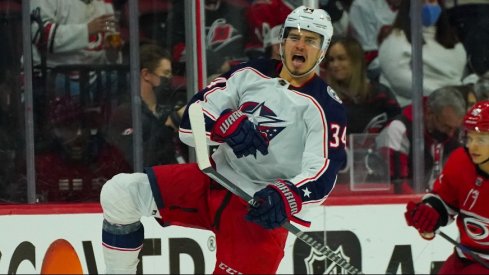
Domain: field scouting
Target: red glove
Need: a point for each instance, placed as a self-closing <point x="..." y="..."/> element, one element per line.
<point x="422" y="216"/>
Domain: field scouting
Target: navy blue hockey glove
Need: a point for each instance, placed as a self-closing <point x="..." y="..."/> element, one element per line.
<point x="275" y="204"/>
<point x="234" y="128"/>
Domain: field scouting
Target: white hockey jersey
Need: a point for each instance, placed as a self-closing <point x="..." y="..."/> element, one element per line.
<point x="64" y="33"/>
<point x="305" y="126"/>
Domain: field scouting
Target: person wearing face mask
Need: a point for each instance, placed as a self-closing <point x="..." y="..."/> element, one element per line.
<point x="460" y="195"/>
<point x="368" y="22"/>
<point x="443" y="113"/>
<point x="158" y="116"/>
<point x="444" y="57"/>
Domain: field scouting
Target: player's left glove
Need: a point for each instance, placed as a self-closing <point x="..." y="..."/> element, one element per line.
<point x="423" y="217"/>
<point x="276" y="203"/>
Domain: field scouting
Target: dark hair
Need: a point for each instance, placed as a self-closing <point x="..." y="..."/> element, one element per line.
<point x="481" y="87"/>
<point x="150" y="56"/>
<point x="466" y="90"/>
<point x="445" y="34"/>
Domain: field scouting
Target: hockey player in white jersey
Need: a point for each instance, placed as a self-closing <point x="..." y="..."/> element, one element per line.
<point x="281" y="132"/>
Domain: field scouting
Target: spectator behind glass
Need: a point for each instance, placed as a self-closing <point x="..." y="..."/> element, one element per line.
<point x="225" y="27"/>
<point x="79" y="160"/>
<point x="264" y="15"/>
<point x="444" y="58"/>
<point x="481" y="87"/>
<point x="369" y="105"/>
<point x="469" y="17"/>
<point x="74" y="32"/>
<point x="369" y="20"/>
<point x="271" y="42"/>
<point x="468" y="93"/>
<point x="442" y="118"/>
<point x="159" y="121"/>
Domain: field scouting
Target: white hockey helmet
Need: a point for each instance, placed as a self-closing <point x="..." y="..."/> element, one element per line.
<point x="314" y="20"/>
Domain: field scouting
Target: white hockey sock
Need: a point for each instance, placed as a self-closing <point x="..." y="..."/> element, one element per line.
<point x="121" y="246"/>
<point x="120" y="262"/>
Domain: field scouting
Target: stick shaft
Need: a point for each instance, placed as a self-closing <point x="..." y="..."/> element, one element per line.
<point x="465" y="249"/>
<point x="198" y="128"/>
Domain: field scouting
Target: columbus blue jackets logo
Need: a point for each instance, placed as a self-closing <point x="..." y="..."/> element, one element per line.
<point x="266" y="120"/>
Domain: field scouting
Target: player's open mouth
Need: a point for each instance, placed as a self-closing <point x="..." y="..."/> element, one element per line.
<point x="298" y="60"/>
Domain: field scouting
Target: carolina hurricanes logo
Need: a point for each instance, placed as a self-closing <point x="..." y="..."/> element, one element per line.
<point x="476" y="227"/>
<point x="265" y="118"/>
<point x="221" y="34"/>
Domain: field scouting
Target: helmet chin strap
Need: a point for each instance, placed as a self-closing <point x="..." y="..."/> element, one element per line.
<point x="483" y="162"/>
<point x="306" y="73"/>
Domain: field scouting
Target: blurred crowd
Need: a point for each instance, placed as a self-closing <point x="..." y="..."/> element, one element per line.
<point x="82" y="94"/>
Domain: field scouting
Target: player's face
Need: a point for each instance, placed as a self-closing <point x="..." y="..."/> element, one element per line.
<point x="339" y="63"/>
<point x="301" y="51"/>
<point x="478" y="145"/>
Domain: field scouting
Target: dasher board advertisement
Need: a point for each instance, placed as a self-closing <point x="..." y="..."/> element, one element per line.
<point x="373" y="238"/>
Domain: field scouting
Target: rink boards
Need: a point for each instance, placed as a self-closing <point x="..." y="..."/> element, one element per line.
<point x="373" y="237"/>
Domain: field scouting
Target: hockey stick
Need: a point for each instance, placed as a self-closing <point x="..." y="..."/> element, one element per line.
<point x="465" y="249"/>
<point x="197" y="123"/>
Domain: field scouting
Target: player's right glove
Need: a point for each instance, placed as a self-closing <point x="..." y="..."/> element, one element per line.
<point x="242" y="135"/>
<point x="423" y="217"/>
<point x="276" y="203"/>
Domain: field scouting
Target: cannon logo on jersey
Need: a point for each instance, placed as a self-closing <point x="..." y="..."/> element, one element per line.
<point x="265" y="118"/>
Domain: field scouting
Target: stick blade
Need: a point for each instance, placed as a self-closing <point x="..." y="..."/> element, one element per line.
<point x="197" y="122"/>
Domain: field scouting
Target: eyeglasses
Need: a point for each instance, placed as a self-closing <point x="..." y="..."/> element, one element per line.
<point x="309" y="41"/>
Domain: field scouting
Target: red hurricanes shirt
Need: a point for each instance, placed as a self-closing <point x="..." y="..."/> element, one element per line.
<point x="465" y="190"/>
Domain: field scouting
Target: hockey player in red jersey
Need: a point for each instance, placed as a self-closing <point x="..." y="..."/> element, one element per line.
<point x="461" y="192"/>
